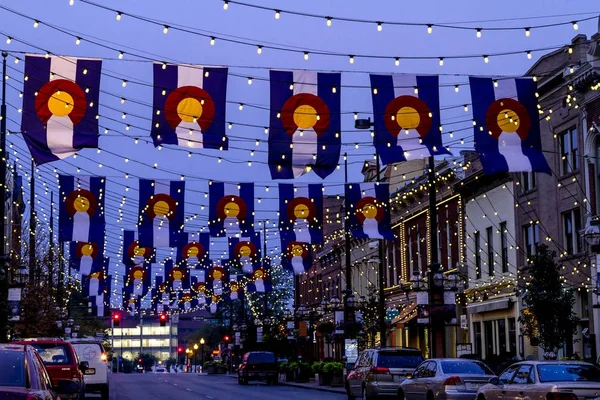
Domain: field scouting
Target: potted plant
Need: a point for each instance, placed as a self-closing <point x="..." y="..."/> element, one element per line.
<point x="290" y="371"/>
<point x="210" y="367"/>
<point x="336" y="372"/>
<point x="302" y="372"/>
<point x="324" y="378"/>
<point x="222" y="367"/>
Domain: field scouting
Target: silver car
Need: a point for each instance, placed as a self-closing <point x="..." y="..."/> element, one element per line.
<point x="544" y="380"/>
<point x="445" y="379"/>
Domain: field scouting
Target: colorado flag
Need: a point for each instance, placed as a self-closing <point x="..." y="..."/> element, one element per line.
<point x="81" y="207"/>
<point x="507" y="128"/>
<point x="245" y="252"/>
<point x="193" y="250"/>
<point x="407" y="117"/>
<point x="162" y="209"/>
<point x="60" y="105"/>
<point x="305" y="124"/>
<point x="367" y="205"/>
<point x="189" y="106"/>
<point x="301" y="211"/>
<point x="231" y="208"/>
<point x="295" y="256"/>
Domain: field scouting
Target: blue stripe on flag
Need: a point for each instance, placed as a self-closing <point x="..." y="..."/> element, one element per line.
<point x="354" y="194"/>
<point x="279" y="140"/>
<point x="328" y="158"/>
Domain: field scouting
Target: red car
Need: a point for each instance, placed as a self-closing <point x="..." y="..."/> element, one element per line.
<point x="23" y="375"/>
<point x="62" y="363"/>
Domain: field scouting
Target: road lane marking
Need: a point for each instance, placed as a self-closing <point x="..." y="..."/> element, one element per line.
<point x="209" y="397"/>
<point x="175" y="384"/>
<point x="188" y="389"/>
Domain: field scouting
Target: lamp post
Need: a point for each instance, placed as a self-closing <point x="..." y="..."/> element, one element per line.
<point x="187" y="359"/>
<point x="591" y="234"/>
<point x="202" y="353"/>
<point x="195" y="353"/>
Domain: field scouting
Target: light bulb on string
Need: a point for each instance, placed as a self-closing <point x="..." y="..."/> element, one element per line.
<point x="118" y="15"/>
<point x="456" y="88"/>
<point x="486" y="59"/>
<point x="164" y="65"/>
<point x="121" y="54"/>
<point x="241" y="107"/>
<point x="225" y="5"/>
<point x="527" y="32"/>
<point x="36" y="23"/>
<point x="351" y="60"/>
<point x="379" y="26"/>
<point x="249" y="80"/>
<point x="478" y="34"/>
<point x="529" y="55"/>
<point x="259" y="50"/>
<point x="575" y="26"/>
<point x="305" y="54"/>
<point x="212" y="41"/>
<point x="570" y="50"/>
<point x="429" y="29"/>
<point x="8" y="40"/>
<point x="124" y="83"/>
<point x="328" y="21"/>
<point x="277" y="14"/>
<point x="397" y="61"/>
<point x="441" y="61"/>
<point x="166" y="29"/>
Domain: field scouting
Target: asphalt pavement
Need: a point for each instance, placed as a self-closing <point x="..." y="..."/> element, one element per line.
<point x="203" y="387"/>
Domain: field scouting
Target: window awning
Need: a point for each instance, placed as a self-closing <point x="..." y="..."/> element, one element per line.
<point x="488" y="306"/>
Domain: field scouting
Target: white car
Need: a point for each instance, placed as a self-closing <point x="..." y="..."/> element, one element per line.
<point x="96" y="378"/>
<point x="160" y="370"/>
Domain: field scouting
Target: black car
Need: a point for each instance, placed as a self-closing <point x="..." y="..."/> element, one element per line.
<point x="24" y="376"/>
<point x="258" y="366"/>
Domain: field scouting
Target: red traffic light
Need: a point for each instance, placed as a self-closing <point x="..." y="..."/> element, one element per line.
<point x="139" y="360"/>
<point x="116" y="317"/>
<point x="180" y="349"/>
<point x="163" y="317"/>
<point x="226" y="338"/>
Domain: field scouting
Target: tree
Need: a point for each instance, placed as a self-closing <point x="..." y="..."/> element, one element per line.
<point x="39" y="313"/>
<point x="147" y="360"/>
<point x="548" y="316"/>
<point x="370" y="318"/>
<point x="278" y="300"/>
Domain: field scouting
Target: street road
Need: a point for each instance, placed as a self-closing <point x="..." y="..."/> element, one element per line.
<point x="203" y="387"/>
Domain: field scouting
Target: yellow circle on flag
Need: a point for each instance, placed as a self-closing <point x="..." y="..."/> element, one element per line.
<point x="301" y="211"/>
<point x="369" y="210"/>
<point x="258" y="274"/>
<point x="61" y="103"/>
<point x="508" y="121"/>
<point x="305" y="116"/>
<point x="87" y="249"/>
<point x="177" y="275"/>
<point x="138" y="274"/>
<point x="217" y="275"/>
<point x="245" y="251"/>
<point x="161" y="208"/>
<point x="297" y="250"/>
<point x="192" y="251"/>
<point x="232" y="209"/>
<point x="139" y="251"/>
<point x="81" y="204"/>
<point x="188" y="109"/>
<point x="408" y="118"/>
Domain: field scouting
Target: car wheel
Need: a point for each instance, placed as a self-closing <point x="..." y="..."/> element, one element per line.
<point x="104" y="392"/>
<point x="430" y="396"/>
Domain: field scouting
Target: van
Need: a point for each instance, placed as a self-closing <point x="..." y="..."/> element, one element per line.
<point x="96" y="378"/>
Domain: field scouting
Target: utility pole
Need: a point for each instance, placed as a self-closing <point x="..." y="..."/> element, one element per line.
<point x="51" y="252"/>
<point x="434" y="266"/>
<point x="61" y="275"/>
<point x="381" y="313"/>
<point x="3" y="258"/>
<point x="32" y="227"/>
<point x="348" y="312"/>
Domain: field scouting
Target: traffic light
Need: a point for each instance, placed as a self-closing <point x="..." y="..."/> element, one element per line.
<point x="116" y="319"/>
<point x="226" y="338"/>
<point x="140" y="360"/>
<point x="163" y="319"/>
<point x="180" y="349"/>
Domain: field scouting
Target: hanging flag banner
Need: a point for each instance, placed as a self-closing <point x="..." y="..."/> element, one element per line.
<point x="245" y="253"/>
<point x="235" y="289"/>
<point x="198" y="281"/>
<point x="60" y="105"/>
<point x="131" y="302"/>
<point x="138" y="278"/>
<point x="162" y="209"/>
<point x="161" y="296"/>
<point x="178" y="276"/>
<point x="305" y="128"/>
<point x="189" y="106"/>
<point x="507" y="128"/>
<point x="295" y="256"/>
<point x="186" y="301"/>
<point x="193" y="250"/>
<point x="301" y="211"/>
<point x="231" y="209"/>
<point x="93" y="284"/>
<point x="101" y="302"/>
<point x="218" y="276"/>
<point x="133" y="254"/>
<point x="407" y="117"/>
<point x="87" y="257"/>
<point x="367" y="205"/>
<point x="81" y="207"/>
<point x="259" y="281"/>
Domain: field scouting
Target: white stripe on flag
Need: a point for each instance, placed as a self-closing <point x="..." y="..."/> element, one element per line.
<point x="231" y="224"/>
<point x="246" y="265"/>
<point x="305" y="82"/>
<point x="59" y="130"/>
<point x="81" y="220"/>
<point x="160" y="228"/>
<point x="138" y="287"/>
<point x="301" y="225"/>
<point x="94" y="283"/>
<point x="509" y="143"/>
<point x="260" y="285"/>
<point x="370" y="225"/>
<point x="188" y="133"/>
<point x="404" y="85"/>
<point x="297" y="264"/>
<point x="85" y="265"/>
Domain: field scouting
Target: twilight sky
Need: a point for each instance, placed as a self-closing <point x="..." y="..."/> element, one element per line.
<point x="245" y="24"/>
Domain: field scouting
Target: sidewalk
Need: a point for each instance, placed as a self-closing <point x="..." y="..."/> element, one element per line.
<point x="312" y="385"/>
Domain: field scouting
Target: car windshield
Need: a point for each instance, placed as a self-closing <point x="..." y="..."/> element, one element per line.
<point x="568" y="373"/>
<point x="261" y="358"/>
<point x="12" y="368"/>
<point x="398" y="359"/>
<point x="54" y="354"/>
<point x="465" y="367"/>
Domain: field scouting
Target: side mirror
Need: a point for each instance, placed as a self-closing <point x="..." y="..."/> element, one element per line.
<point x="66" y="386"/>
<point x="83" y="365"/>
<point x="494" y="381"/>
<point x="409" y="376"/>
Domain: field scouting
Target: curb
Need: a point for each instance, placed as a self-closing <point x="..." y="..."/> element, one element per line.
<point x="317" y="388"/>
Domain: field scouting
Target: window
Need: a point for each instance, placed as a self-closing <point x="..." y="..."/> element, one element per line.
<point x="409" y="255"/>
<point x="476" y="238"/>
<point x="532" y="238"/>
<point x="523" y="375"/>
<point x="501" y="325"/>
<point x="527" y="181"/>
<point x="568" y="373"/>
<point x="490" y="250"/>
<point x="488" y="328"/>
<point x="12" y="368"/>
<point x="477" y="339"/>
<point x="449" y="243"/>
<point x="419" y="259"/>
<point x="585" y="312"/>
<point x="512" y="336"/>
<point x="467" y="367"/>
<point x="504" y="246"/>
<point x="569" y="151"/>
<point x="573" y="242"/>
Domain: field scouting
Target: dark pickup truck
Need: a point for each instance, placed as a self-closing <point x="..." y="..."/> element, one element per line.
<point x="258" y="366"/>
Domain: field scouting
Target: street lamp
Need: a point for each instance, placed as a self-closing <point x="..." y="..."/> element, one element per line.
<point x="187" y="358"/>
<point x="592" y="235"/>
<point x="195" y="353"/>
<point x="202" y="352"/>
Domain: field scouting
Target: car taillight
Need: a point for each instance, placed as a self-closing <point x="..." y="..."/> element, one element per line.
<point x="31" y="396"/>
<point x="561" y="396"/>
<point x="452" y="381"/>
<point x="74" y="374"/>
<point x="380" y="371"/>
<point x="103" y="357"/>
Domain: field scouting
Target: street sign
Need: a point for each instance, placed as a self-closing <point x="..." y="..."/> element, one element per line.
<point x="175" y="319"/>
<point x="197" y="318"/>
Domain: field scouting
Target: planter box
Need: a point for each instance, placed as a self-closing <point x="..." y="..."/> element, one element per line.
<point x="324" y="379"/>
<point x="289" y="376"/>
<point x="211" y="370"/>
<point x="221" y="370"/>
<point x="337" y="381"/>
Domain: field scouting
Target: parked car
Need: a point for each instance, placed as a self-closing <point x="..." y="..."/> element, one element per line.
<point x="24" y="376"/>
<point x="96" y="377"/>
<point x="160" y="370"/>
<point x="61" y="362"/>
<point x="445" y="378"/>
<point x="378" y="372"/>
<point x="258" y="366"/>
<point x="544" y="380"/>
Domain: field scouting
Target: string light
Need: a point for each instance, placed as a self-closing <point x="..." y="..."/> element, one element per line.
<point x="328" y="21"/>
<point x="527" y="32"/>
<point x="212" y="40"/>
<point x="397" y="61"/>
<point x="259" y="50"/>
<point x="225" y="5"/>
<point x="249" y="80"/>
<point x="575" y="26"/>
<point x="36" y="23"/>
<point x="478" y="32"/>
<point x="441" y="61"/>
<point x="351" y="59"/>
<point x="277" y="14"/>
<point x="118" y="15"/>
<point x="379" y="26"/>
<point x="570" y="50"/>
<point x="124" y="83"/>
<point x="429" y="29"/>
<point x="71" y="2"/>
<point x="456" y="88"/>
<point x="529" y="55"/>
<point x="241" y="107"/>
<point x="306" y="55"/>
<point x="8" y="40"/>
<point x="166" y="29"/>
<point x="121" y="54"/>
<point x="486" y="59"/>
